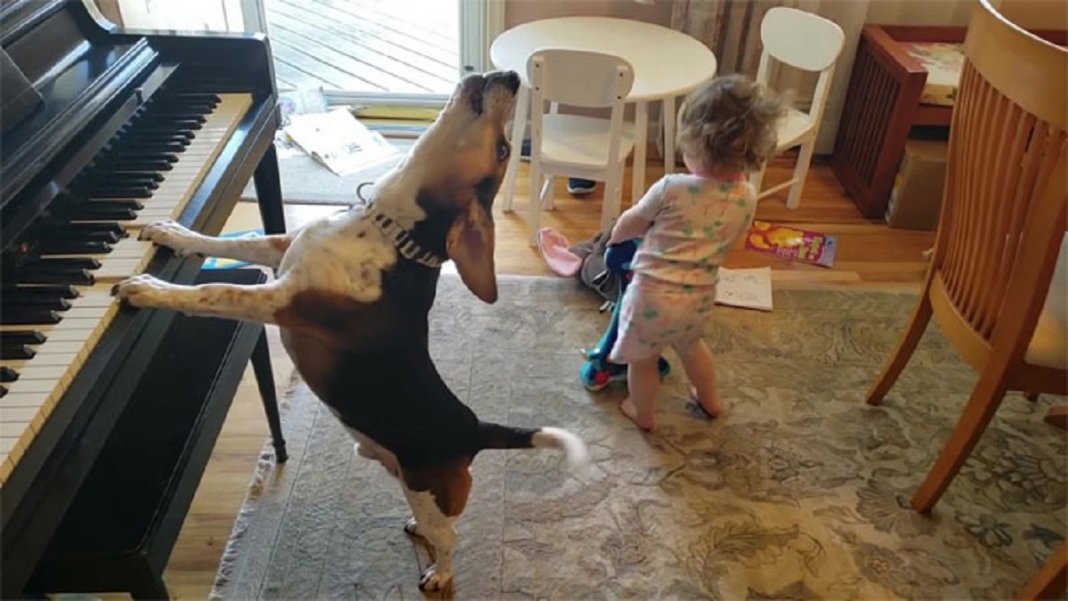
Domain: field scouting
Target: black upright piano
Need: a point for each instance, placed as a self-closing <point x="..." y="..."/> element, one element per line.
<point x="108" y="414"/>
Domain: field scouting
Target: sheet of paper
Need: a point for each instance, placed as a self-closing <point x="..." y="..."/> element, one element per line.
<point x="747" y="288"/>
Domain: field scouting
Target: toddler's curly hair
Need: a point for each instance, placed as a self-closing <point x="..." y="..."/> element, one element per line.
<point x="730" y="123"/>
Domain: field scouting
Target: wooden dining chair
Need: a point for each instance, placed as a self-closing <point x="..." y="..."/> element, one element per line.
<point x="1002" y="226"/>
<point x="1050" y="581"/>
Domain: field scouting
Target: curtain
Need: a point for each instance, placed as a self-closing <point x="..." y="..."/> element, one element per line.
<point x="731" y="29"/>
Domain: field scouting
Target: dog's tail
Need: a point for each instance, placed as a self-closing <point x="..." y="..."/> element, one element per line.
<point x="497" y="436"/>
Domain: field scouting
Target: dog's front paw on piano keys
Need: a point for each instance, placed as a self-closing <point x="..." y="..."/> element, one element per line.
<point x="142" y="291"/>
<point x="170" y="234"/>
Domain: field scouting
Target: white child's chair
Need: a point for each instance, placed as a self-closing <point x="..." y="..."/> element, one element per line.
<point x="573" y="145"/>
<point x="810" y="43"/>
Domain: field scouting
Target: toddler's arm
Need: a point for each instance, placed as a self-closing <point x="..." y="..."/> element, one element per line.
<point x="636" y="220"/>
<point x="631" y="224"/>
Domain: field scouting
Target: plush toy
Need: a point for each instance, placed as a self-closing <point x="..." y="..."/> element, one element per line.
<point x="598" y="372"/>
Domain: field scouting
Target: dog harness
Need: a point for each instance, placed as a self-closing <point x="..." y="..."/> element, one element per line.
<point x="402" y="239"/>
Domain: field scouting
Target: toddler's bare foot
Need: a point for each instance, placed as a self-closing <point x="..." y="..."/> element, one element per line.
<point x="628" y="409"/>
<point x="711" y="408"/>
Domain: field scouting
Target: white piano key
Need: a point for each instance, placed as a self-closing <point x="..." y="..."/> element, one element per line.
<point x="45" y="378"/>
<point x="42" y="372"/>
<point x="127" y="248"/>
<point x="53" y="359"/>
<point x="23" y="399"/>
<point x="23" y="386"/>
<point x="17" y="414"/>
<point x="13" y="429"/>
<point x="114" y="269"/>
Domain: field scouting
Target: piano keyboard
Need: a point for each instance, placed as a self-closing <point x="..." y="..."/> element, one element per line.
<point x="55" y="305"/>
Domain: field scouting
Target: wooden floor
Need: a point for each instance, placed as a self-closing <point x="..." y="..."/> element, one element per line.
<point x="869" y="254"/>
<point x="399" y="46"/>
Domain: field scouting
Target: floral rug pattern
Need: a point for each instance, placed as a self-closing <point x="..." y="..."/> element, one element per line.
<point x="799" y="491"/>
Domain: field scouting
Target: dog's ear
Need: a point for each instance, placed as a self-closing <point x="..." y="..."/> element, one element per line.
<point x="470" y="246"/>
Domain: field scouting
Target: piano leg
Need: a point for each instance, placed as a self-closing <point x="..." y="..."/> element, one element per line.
<point x="261" y="366"/>
<point x="269" y="193"/>
<point x="148" y="585"/>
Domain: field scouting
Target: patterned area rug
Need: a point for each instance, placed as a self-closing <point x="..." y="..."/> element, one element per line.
<point x="799" y="491"/>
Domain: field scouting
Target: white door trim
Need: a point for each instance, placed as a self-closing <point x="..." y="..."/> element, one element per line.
<point x="481" y="21"/>
<point x="254" y="16"/>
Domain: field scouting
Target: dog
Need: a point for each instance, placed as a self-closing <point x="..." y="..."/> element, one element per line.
<point x="351" y="295"/>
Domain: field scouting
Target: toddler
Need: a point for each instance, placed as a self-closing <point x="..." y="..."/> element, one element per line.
<point x="688" y="223"/>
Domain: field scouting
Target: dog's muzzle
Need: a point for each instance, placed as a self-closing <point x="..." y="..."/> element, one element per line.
<point x="476" y="86"/>
<point x="509" y="79"/>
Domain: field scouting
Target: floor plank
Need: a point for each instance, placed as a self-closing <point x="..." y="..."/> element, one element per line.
<point x="870" y="255"/>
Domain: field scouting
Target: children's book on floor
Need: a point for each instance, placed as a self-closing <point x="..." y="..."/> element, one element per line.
<point x="813" y="248"/>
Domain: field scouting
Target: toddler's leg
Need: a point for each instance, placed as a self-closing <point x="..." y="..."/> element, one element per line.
<point x="643" y="380"/>
<point x="702" y="373"/>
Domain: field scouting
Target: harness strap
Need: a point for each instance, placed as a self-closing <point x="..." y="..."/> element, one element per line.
<point x="402" y="240"/>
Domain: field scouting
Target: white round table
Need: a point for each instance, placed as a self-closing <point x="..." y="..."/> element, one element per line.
<point x="667" y="64"/>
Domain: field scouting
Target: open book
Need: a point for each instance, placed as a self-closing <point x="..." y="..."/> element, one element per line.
<point x="338" y="141"/>
<point x="747" y="288"/>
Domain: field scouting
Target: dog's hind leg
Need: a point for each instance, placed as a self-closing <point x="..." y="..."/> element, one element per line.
<point x="259" y="303"/>
<point x="261" y="250"/>
<point x="437" y="496"/>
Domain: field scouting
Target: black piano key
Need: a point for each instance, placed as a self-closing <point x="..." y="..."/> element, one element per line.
<point x="52" y="263"/>
<point x="183" y="116"/>
<point x="16" y="352"/>
<point x="115" y="203"/>
<point x="41" y="301"/>
<point x="99" y="201"/>
<point x="151" y="142"/>
<point x="173" y="124"/>
<point x="141" y="166"/>
<point x="74" y="277"/>
<point x="3" y="391"/>
<point x="119" y="191"/>
<point x="88" y="212"/>
<point x="156" y="145"/>
<point x="23" y="337"/>
<point x="188" y="124"/>
<point x="198" y="97"/>
<point x="74" y="247"/>
<point x="134" y="156"/>
<point x="21" y="315"/>
<point x="167" y="139"/>
<point x="55" y="290"/>
<point x="168" y="129"/>
<point x="97" y="232"/>
<point x="8" y="375"/>
<point x="150" y="179"/>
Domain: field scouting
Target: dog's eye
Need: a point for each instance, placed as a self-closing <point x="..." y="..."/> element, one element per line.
<point x="502" y="151"/>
